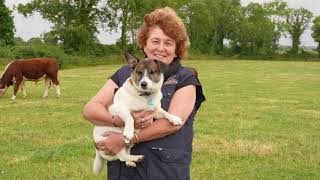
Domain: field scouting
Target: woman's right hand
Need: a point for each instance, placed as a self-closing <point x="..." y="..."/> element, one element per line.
<point x="142" y="119"/>
<point x="112" y="144"/>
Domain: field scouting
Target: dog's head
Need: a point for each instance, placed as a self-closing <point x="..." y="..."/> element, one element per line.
<point x="147" y="74"/>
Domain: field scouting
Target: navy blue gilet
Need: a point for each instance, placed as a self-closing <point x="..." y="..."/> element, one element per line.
<point x="167" y="158"/>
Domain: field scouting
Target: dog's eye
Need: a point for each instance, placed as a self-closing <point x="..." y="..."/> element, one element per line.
<point x="151" y="72"/>
<point x="139" y="73"/>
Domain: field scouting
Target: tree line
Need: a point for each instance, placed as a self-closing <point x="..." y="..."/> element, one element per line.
<point x="217" y="27"/>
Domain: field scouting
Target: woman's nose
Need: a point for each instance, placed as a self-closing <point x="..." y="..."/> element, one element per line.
<point x="161" y="47"/>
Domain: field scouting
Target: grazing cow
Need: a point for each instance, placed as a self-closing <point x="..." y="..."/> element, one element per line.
<point x="36" y="69"/>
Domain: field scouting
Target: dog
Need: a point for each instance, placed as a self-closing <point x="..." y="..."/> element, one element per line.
<point x="141" y="91"/>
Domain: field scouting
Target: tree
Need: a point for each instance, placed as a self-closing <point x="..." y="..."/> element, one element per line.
<point x="297" y="22"/>
<point x="74" y="21"/>
<point x="276" y="11"/>
<point x="6" y="25"/>
<point x="316" y="32"/>
<point x="258" y="31"/>
<point x="120" y="14"/>
<point x="50" y="38"/>
<point x="226" y="21"/>
<point x="200" y="21"/>
<point x="210" y="22"/>
<point x="127" y="15"/>
<point x="254" y="29"/>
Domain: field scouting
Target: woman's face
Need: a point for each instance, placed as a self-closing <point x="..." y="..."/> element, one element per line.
<point x="159" y="46"/>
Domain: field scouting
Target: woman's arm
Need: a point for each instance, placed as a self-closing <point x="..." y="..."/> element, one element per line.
<point x="181" y="105"/>
<point x="96" y="109"/>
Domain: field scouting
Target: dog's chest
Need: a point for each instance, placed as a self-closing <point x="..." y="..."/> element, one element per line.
<point x="140" y="102"/>
<point x="133" y="101"/>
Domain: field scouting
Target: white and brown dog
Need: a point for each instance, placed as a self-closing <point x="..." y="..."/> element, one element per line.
<point x="141" y="91"/>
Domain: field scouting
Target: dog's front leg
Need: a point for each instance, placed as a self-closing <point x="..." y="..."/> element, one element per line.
<point x="160" y="113"/>
<point x="128" y="130"/>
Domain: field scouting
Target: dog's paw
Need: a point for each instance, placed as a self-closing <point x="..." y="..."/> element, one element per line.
<point x="140" y="158"/>
<point x="176" y="120"/>
<point x="128" y="134"/>
<point x="131" y="164"/>
<point x="128" y="131"/>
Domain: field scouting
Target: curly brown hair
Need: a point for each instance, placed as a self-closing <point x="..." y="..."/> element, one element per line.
<point x="170" y="23"/>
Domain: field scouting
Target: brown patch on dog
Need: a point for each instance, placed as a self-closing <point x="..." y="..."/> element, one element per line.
<point x="153" y="71"/>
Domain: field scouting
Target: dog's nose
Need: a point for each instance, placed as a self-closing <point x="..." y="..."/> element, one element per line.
<point x="143" y="84"/>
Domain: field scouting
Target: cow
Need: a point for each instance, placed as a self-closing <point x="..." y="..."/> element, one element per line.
<point x="17" y="72"/>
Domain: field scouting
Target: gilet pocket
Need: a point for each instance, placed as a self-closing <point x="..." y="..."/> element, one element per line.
<point x="167" y="164"/>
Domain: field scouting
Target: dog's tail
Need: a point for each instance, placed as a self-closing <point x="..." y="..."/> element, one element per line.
<point x="98" y="164"/>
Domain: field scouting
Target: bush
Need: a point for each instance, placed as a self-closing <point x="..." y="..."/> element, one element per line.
<point x="6" y="53"/>
<point x="307" y="54"/>
<point x="100" y="50"/>
<point x="35" y="51"/>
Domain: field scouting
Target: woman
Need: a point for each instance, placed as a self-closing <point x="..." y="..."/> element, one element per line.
<point x="167" y="148"/>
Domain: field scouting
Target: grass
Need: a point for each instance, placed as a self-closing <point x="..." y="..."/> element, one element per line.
<point x="261" y="120"/>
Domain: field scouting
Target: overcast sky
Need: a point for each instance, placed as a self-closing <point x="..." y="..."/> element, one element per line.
<point x="34" y="26"/>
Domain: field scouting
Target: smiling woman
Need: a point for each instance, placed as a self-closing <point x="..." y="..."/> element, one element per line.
<point x="167" y="148"/>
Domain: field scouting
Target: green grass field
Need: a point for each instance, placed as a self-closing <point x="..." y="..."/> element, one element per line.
<point x="261" y="120"/>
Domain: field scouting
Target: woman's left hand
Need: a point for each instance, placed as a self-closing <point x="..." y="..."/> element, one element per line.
<point x="112" y="144"/>
<point x="142" y="119"/>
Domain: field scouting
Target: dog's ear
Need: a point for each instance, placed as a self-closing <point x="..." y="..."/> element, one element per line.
<point x="162" y="66"/>
<point x="131" y="59"/>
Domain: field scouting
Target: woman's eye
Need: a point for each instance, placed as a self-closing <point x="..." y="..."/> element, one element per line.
<point x="169" y="43"/>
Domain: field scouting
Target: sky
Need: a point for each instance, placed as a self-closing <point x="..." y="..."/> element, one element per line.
<point x="35" y="25"/>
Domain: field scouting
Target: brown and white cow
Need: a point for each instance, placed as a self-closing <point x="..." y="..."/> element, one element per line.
<point x="36" y="69"/>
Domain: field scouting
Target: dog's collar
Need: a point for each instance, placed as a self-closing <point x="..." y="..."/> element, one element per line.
<point x="145" y="94"/>
<point x="149" y="99"/>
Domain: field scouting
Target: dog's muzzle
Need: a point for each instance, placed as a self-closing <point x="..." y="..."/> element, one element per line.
<point x="144" y="85"/>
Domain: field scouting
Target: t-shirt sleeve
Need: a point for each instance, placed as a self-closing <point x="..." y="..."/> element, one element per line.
<point x="115" y="77"/>
<point x="121" y="75"/>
